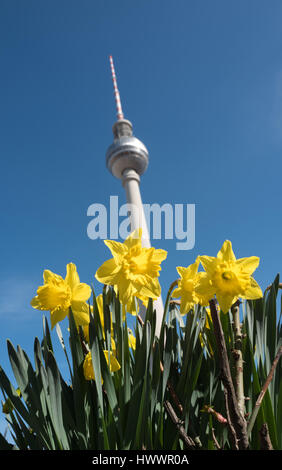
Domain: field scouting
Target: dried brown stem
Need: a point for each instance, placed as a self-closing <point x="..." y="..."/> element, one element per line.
<point x="265" y="442"/>
<point x="236" y="418"/>
<point x="232" y="433"/>
<point x="188" y="441"/>
<point x="216" y="443"/>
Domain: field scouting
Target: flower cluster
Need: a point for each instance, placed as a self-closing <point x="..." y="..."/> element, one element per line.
<point x="133" y="271"/>
<point x="224" y="276"/>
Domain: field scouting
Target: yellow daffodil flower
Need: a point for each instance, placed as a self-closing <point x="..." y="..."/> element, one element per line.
<point x="228" y="278"/>
<point x="131" y="339"/>
<point x="88" y="369"/>
<point x="188" y="283"/>
<point x="133" y="270"/>
<point x="58" y="294"/>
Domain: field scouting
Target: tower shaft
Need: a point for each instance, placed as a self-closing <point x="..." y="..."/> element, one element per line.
<point x="127" y="159"/>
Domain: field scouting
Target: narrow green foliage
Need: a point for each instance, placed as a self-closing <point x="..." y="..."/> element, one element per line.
<point x="127" y="409"/>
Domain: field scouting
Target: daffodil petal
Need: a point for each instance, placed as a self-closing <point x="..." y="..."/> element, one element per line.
<point x="226" y="252"/>
<point x="114" y="364"/>
<point x="117" y="249"/>
<point x="36" y="304"/>
<point x="88" y="369"/>
<point x="203" y="289"/>
<point x="80" y="311"/>
<point x="81" y="292"/>
<point x="72" y="277"/>
<point x="185" y="305"/>
<point x="49" y="276"/>
<point x="158" y="255"/>
<point x="176" y="293"/>
<point x="107" y="273"/>
<point x="126" y="291"/>
<point x="134" y="239"/>
<point x="151" y="288"/>
<point x="253" y="291"/>
<point x="248" y="265"/>
<point x="181" y="270"/>
<point x="225" y="302"/>
<point x="58" y="314"/>
<point x="208" y="263"/>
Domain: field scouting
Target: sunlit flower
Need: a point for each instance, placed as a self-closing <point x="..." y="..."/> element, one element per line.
<point x="228" y="278"/>
<point x="57" y="295"/>
<point x="88" y="369"/>
<point x="187" y="287"/>
<point x="133" y="270"/>
<point x="131" y="339"/>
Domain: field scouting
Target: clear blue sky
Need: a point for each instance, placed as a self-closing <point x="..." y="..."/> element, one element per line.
<point x="202" y="83"/>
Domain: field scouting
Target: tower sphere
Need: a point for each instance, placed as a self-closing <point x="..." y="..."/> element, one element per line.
<point x="126" y="152"/>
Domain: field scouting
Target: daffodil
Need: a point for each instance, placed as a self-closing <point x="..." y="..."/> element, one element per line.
<point x="188" y="283"/>
<point x="57" y="295"/>
<point x="230" y="278"/>
<point x="131" y="339"/>
<point x="133" y="270"/>
<point x="88" y="369"/>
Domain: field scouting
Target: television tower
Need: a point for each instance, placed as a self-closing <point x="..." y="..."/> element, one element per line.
<point x="127" y="158"/>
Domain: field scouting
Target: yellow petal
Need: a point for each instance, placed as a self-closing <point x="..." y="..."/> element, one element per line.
<point x="36" y="304"/>
<point x="114" y="364"/>
<point x="176" y="293"/>
<point x="192" y="269"/>
<point x="181" y="271"/>
<point x="107" y="273"/>
<point x="248" y="265"/>
<point x="225" y="302"/>
<point x="158" y="255"/>
<point x="208" y="263"/>
<point x="49" y="276"/>
<point x="88" y="369"/>
<point x="99" y="300"/>
<point x="126" y="291"/>
<point x="72" y="278"/>
<point x="226" y="252"/>
<point x="58" y="314"/>
<point x="81" y="292"/>
<point x="151" y="288"/>
<point x="253" y="291"/>
<point x="134" y="239"/>
<point x="185" y="305"/>
<point x="204" y="289"/>
<point x="131" y="340"/>
<point x="118" y="249"/>
<point x="80" y="311"/>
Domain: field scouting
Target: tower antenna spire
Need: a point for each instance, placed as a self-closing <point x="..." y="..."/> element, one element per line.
<point x="116" y="92"/>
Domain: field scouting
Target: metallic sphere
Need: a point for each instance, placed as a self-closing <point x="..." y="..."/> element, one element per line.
<point x="127" y="152"/>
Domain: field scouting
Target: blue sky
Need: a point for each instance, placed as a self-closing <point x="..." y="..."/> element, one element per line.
<point x="201" y="82"/>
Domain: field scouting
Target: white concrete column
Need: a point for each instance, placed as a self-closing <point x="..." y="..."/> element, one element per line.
<point x="130" y="182"/>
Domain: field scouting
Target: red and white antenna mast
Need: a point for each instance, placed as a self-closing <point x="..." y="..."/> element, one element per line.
<point x="117" y="96"/>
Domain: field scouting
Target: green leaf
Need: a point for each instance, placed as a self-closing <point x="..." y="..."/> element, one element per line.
<point x="55" y="391"/>
<point x="4" y="444"/>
